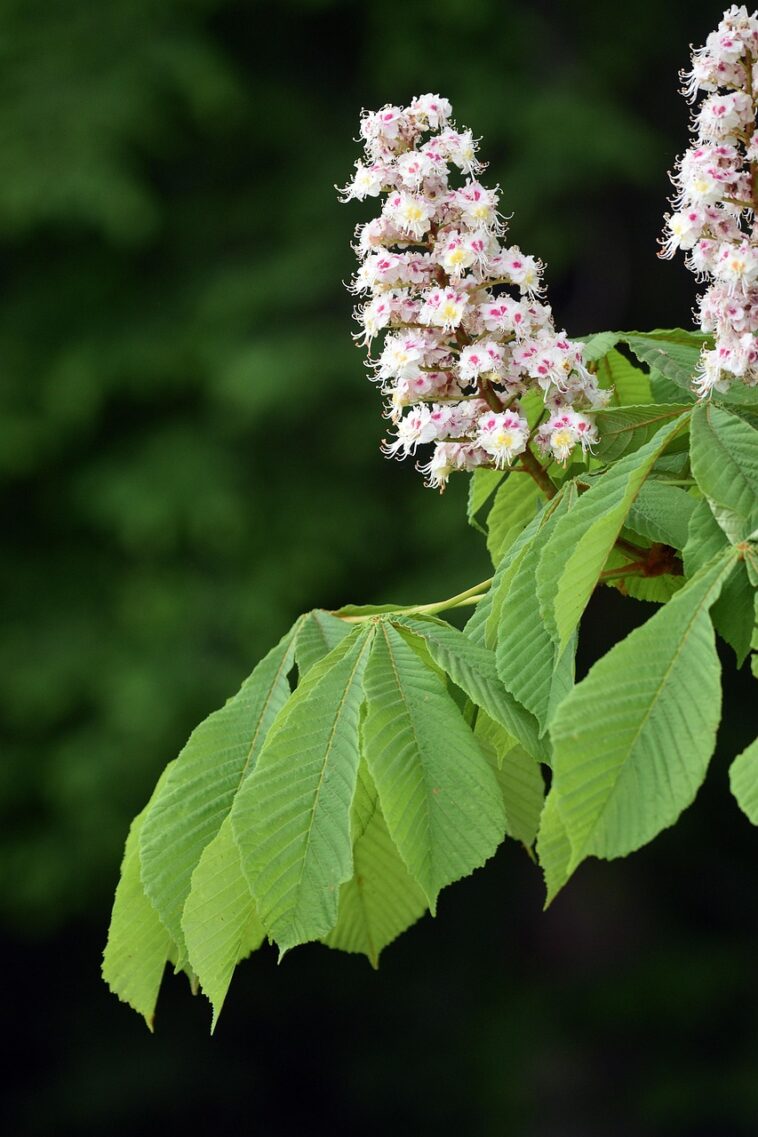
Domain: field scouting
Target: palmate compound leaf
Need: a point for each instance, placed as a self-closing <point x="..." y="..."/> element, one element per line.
<point x="197" y="795"/>
<point x="139" y="946"/>
<point x="733" y="613"/>
<point x="438" y="793"/>
<point x="574" y="556"/>
<point x="528" y="661"/>
<point x="743" y="778"/>
<point x="381" y="899"/>
<point x="473" y="668"/>
<point x="724" y="453"/>
<point x="291" y="817"/>
<point x="633" y="740"/>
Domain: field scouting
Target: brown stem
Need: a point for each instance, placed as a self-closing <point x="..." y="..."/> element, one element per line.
<point x="538" y="472"/>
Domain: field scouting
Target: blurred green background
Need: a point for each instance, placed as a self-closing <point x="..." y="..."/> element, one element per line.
<point x="189" y="458"/>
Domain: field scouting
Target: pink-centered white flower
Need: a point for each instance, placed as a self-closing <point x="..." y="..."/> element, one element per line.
<point x="464" y="337"/>
<point x="717" y="194"/>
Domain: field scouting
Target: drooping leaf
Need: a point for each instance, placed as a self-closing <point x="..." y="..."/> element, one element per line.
<point x="508" y="567"/>
<point x="438" y="793"/>
<point x="518" y="775"/>
<point x="743" y="778"/>
<point x="319" y="632"/>
<point x="630" y="384"/>
<point x="473" y="668"/>
<point x="198" y="793"/>
<point x="624" y="429"/>
<point x="528" y="661"/>
<point x="291" y="817"/>
<point x="553" y="848"/>
<point x="633" y="739"/>
<point x="515" y="505"/>
<point x="662" y="512"/>
<point x="220" y="921"/>
<point x="724" y="453"/>
<point x="578" y="548"/>
<point x="381" y="899"/>
<point x="139" y="945"/>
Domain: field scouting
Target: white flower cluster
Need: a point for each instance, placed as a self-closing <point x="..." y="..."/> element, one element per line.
<point x="464" y="333"/>
<point x="717" y="191"/>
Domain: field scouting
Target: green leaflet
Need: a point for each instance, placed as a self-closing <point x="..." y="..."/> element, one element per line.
<point x="508" y="567"/>
<point x="198" y="793"/>
<point x="624" y="429"/>
<point x="732" y="614"/>
<point x="473" y="668"/>
<point x="291" y="817"/>
<point x="743" y="779"/>
<point x="518" y="775"/>
<point x="528" y="661"/>
<point x="438" y="793"/>
<point x="578" y="548"/>
<point x="630" y="384"/>
<point x="633" y="739"/>
<point x="662" y="512"/>
<point x="481" y="488"/>
<point x="724" y="455"/>
<point x="675" y="353"/>
<point x="516" y="503"/>
<point x="382" y="899"/>
<point x="319" y="632"/>
<point x="139" y="946"/>
<point x="553" y="848"/>
<point x="220" y="921"/>
<point x="598" y="345"/>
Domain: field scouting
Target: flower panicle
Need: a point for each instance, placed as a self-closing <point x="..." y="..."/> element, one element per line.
<point x="460" y="316"/>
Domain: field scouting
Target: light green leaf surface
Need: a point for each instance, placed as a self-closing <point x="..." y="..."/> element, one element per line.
<point x="633" y="740"/>
<point x="514" y="506"/>
<point x="198" y="793"/>
<point x="438" y="793"/>
<point x="578" y="548"/>
<point x="473" y="668"/>
<point x="519" y="777"/>
<point x="220" y="922"/>
<point x="662" y="513"/>
<point x="598" y="345"/>
<point x="381" y="899"/>
<point x="630" y="384"/>
<point x="724" y="454"/>
<point x="743" y="778"/>
<point x="481" y="489"/>
<point x="528" y="661"/>
<point x="624" y="429"/>
<point x="139" y="945"/>
<point x="673" y="352"/>
<point x="553" y="848"/>
<point x="732" y="614"/>
<point x="319" y="633"/>
<point x="291" y="817"/>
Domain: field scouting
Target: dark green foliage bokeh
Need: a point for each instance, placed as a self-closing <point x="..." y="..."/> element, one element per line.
<point x="188" y="443"/>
